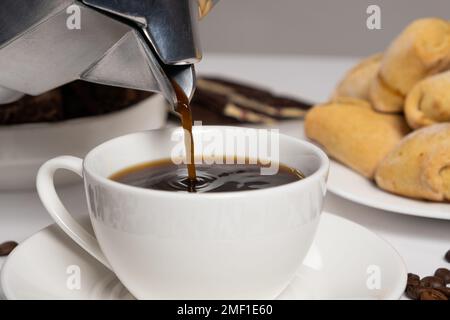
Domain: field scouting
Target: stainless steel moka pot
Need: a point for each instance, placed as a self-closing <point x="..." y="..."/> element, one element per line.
<point x="139" y="44"/>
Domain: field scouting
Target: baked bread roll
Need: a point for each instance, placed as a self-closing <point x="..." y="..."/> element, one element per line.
<point x="353" y="133"/>
<point x="429" y="101"/>
<point x="356" y="82"/>
<point x="422" y="49"/>
<point x="419" y="167"/>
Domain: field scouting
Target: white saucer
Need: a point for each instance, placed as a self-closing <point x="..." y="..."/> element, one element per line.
<point x="343" y="258"/>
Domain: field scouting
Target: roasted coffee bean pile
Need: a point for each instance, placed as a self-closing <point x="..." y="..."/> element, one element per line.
<point x="435" y="287"/>
<point x="7" y="247"/>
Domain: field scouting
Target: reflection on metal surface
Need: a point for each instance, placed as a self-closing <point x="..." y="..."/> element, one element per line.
<point x="135" y="44"/>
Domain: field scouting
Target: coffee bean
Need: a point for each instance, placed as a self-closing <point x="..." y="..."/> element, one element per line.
<point x="432" y="294"/>
<point x="7" y="247"/>
<point x="432" y="282"/>
<point x="445" y="291"/>
<point x="444" y="274"/>
<point x="413" y="279"/>
<point x="413" y="292"/>
<point x="431" y="287"/>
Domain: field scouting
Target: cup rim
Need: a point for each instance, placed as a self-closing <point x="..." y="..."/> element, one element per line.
<point x="322" y="170"/>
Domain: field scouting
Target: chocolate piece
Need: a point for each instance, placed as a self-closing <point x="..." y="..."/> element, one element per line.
<point x="209" y="117"/>
<point x="227" y="86"/>
<point x="46" y="107"/>
<point x="223" y="111"/>
<point x="242" y="113"/>
<point x="90" y="99"/>
<point x="208" y="108"/>
<point x="7" y="247"/>
<point x="447" y="256"/>
<point x="244" y="103"/>
<point x="258" y="100"/>
<point x="73" y="100"/>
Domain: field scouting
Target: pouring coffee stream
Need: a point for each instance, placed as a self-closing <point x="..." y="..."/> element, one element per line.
<point x="184" y="110"/>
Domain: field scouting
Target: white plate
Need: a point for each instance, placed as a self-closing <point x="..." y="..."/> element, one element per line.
<point x="25" y="147"/>
<point x="343" y="259"/>
<point x="351" y="186"/>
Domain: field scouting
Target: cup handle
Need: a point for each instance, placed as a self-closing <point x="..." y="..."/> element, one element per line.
<point x="49" y="197"/>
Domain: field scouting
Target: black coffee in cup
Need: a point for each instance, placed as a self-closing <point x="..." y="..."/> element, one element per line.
<point x="240" y="176"/>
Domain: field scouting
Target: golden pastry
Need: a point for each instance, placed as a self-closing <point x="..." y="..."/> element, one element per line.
<point x="429" y="101"/>
<point x="357" y="81"/>
<point x="419" y="167"/>
<point x="353" y="133"/>
<point x="204" y="7"/>
<point x="422" y="49"/>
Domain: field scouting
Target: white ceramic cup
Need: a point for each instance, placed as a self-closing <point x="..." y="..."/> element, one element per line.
<point x="172" y="245"/>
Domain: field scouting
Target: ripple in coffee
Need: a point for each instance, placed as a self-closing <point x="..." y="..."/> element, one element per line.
<point x="168" y="176"/>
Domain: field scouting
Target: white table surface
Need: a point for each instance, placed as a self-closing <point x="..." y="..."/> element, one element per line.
<point x="421" y="242"/>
